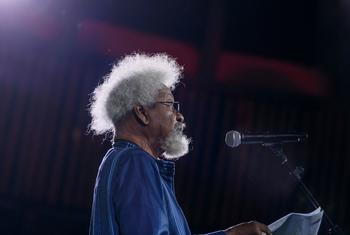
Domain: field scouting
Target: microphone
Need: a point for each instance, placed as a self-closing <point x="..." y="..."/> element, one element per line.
<point x="234" y="138"/>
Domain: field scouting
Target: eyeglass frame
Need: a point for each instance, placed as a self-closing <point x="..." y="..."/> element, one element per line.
<point x="175" y="104"/>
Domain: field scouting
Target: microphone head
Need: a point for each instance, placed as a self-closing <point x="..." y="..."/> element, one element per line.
<point x="233" y="139"/>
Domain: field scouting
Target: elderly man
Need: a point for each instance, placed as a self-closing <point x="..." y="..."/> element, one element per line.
<point x="134" y="191"/>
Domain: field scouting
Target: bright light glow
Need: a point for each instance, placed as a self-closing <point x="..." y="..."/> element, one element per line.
<point x="13" y="3"/>
<point x="14" y="14"/>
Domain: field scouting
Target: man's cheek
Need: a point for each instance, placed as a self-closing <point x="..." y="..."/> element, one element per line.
<point x="169" y="113"/>
<point x="171" y="117"/>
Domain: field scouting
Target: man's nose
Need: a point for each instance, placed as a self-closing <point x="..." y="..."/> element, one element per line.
<point x="180" y="117"/>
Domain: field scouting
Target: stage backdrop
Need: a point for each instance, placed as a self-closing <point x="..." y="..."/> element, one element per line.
<point x="48" y="161"/>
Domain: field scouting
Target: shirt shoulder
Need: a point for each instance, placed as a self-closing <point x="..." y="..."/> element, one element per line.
<point x="137" y="180"/>
<point x="134" y="156"/>
<point x="135" y="167"/>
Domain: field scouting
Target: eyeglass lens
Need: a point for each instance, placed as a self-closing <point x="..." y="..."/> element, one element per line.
<point x="177" y="106"/>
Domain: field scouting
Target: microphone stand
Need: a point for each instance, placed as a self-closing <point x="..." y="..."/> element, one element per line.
<point x="277" y="149"/>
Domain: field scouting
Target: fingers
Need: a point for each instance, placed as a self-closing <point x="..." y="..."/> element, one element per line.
<point x="263" y="228"/>
<point x="250" y="228"/>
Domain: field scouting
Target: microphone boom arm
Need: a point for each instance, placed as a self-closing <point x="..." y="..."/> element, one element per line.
<point x="277" y="150"/>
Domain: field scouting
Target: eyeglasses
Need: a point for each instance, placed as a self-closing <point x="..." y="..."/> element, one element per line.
<point x="175" y="104"/>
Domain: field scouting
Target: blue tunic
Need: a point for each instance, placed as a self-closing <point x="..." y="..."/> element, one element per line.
<point x="134" y="194"/>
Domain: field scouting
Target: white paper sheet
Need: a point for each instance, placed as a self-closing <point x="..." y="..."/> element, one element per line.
<point x="298" y="223"/>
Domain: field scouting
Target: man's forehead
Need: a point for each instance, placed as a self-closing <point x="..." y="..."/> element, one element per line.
<point x="165" y="93"/>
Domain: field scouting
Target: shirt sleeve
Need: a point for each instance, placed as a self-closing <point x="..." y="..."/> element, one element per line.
<point x="138" y="197"/>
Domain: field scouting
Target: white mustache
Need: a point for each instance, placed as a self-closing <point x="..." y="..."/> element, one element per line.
<point x="179" y="127"/>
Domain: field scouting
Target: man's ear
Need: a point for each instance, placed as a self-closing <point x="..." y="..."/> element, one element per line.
<point x="141" y="114"/>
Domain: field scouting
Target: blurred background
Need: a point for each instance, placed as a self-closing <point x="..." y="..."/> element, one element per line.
<point x="251" y="66"/>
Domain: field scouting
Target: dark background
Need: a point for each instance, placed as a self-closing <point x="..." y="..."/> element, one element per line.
<point x="250" y="65"/>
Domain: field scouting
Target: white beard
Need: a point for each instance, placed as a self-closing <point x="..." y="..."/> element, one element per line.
<point x="176" y="145"/>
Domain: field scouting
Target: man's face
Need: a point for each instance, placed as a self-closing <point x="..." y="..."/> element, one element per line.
<point x="166" y="116"/>
<point x="168" y="124"/>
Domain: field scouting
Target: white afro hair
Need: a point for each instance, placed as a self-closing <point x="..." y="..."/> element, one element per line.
<point x="135" y="79"/>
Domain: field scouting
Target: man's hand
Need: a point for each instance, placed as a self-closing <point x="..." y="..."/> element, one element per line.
<point x="250" y="228"/>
